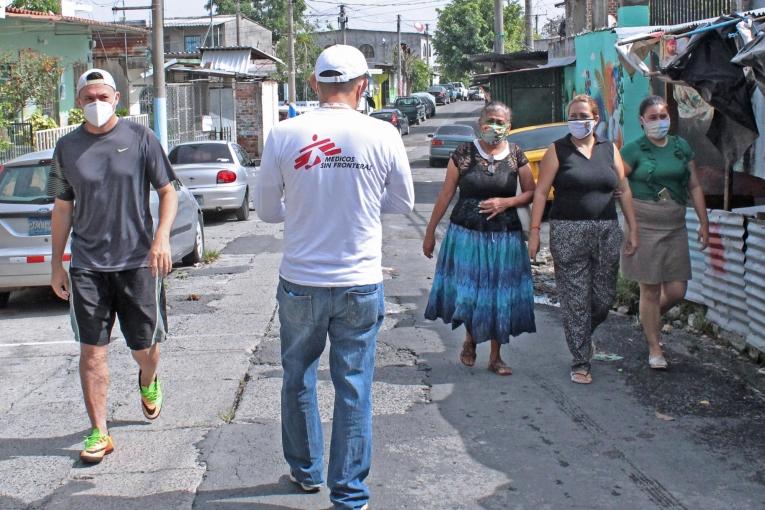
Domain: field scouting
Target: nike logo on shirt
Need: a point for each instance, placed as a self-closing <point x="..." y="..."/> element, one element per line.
<point x="122" y="150"/>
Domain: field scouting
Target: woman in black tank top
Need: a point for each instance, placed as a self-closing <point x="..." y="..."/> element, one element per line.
<point x="585" y="237"/>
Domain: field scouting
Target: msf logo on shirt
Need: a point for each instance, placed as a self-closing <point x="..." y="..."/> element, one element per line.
<point x="309" y="158"/>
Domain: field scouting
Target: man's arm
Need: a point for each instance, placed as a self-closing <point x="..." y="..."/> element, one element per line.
<point x="269" y="186"/>
<point x="398" y="196"/>
<point x="160" y="256"/>
<point x="61" y="226"/>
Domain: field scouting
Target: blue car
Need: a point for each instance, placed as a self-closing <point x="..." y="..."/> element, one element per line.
<point x="446" y="139"/>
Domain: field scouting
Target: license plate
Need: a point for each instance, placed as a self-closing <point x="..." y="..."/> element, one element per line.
<point x="200" y="199"/>
<point x="39" y="226"/>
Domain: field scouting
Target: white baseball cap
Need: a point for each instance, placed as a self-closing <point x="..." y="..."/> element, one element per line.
<point x="340" y="64"/>
<point x="95" y="77"/>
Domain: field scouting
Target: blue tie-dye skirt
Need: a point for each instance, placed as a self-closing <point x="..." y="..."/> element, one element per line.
<point x="483" y="280"/>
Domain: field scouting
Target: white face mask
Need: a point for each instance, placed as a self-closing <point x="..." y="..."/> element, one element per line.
<point x="656" y="129"/>
<point x="98" y="113"/>
<point x="580" y="129"/>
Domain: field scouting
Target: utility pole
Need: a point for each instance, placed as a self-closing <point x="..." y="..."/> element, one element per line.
<point x="499" y="27"/>
<point x="158" y="62"/>
<point x="529" y="43"/>
<point x="342" y="20"/>
<point x="291" y="52"/>
<point x="238" y="17"/>
<point x="427" y="45"/>
<point x="398" y="56"/>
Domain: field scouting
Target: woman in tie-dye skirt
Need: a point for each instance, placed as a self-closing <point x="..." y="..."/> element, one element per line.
<point x="483" y="274"/>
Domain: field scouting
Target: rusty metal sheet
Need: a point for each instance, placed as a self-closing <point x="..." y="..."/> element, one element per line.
<point x="755" y="283"/>
<point x="724" y="287"/>
<point x="698" y="259"/>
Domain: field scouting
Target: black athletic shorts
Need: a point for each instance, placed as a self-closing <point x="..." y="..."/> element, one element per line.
<point x="135" y="296"/>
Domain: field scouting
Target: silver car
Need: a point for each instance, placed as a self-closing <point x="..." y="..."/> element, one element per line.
<point x="217" y="173"/>
<point x="25" y="224"/>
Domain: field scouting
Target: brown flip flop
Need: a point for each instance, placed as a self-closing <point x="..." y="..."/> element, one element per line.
<point x="468" y="355"/>
<point x="500" y="368"/>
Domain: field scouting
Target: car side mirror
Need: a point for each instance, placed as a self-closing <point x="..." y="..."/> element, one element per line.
<point x="430" y="135"/>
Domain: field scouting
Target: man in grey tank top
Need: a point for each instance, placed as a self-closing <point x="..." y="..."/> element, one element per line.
<point x="100" y="176"/>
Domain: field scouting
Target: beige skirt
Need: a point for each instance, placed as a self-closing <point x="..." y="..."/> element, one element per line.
<point x="663" y="254"/>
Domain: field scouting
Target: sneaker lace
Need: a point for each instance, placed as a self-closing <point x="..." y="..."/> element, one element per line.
<point x="151" y="392"/>
<point x="93" y="439"/>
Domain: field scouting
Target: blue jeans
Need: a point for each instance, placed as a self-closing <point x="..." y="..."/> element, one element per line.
<point x="352" y="317"/>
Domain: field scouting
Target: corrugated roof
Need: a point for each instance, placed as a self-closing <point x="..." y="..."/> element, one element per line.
<point x="200" y="21"/>
<point x="14" y="13"/>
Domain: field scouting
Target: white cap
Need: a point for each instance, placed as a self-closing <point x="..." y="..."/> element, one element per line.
<point x="340" y="64"/>
<point x="91" y="77"/>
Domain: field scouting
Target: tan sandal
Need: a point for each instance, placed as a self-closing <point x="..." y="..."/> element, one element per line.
<point x="581" y="377"/>
<point x="468" y="355"/>
<point x="500" y="368"/>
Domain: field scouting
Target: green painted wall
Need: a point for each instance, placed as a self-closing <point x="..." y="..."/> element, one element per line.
<point x="635" y="16"/>
<point x="16" y="35"/>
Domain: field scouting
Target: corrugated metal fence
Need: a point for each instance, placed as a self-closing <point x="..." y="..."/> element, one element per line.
<point x="729" y="276"/>
<point x="672" y="12"/>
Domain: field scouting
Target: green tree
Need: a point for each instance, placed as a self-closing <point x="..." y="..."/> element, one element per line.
<point x="272" y="14"/>
<point x="306" y="52"/>
<point x="39" y="5"/>
<point x="30" y="77"/>
<point x="420" y="77"/>
<point x="466" y="27"/>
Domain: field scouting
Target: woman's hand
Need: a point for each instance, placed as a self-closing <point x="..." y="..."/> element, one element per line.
<point x="632" y="243"/>
<point x="493" y="206"/>
<point x="704" y="236"/>
<point x="429" y="244"/>
<point x="533" y="243"/>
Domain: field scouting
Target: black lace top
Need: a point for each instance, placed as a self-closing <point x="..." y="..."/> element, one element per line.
<point x="482" y="178"/>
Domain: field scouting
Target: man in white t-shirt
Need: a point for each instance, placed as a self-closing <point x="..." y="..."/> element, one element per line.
<point x="329" y="175"/>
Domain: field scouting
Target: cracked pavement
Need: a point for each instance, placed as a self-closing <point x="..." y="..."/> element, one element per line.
<point x="446" y="436"/>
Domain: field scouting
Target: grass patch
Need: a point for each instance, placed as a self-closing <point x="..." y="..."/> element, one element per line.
<point x="627" y="294"/>
<point x="228" y="415"/>
<point x="210" y="256"/>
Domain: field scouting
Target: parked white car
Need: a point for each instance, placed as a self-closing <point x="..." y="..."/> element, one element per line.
<point x="462" y="91"/>
<point x="217" y="173"/>
<point x="25" y="224"/>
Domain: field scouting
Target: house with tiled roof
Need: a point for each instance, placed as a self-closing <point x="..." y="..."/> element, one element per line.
<point x="68" y="38"/>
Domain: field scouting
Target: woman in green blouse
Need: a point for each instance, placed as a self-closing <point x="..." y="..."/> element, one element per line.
<point x="662" y="176"/>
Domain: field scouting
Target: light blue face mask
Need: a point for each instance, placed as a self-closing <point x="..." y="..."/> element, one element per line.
<point x="656" y="129"/>
<point x="493" y="134"/>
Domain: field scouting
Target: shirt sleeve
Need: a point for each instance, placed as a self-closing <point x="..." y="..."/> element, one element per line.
<point x="158" y="167"/>
<point x="686" y="148"/>
<point x="268" y="195"/>
<point x="398" y="196"/>
<point x="520" y="157"/>
<point x="58" y="186"/>
<point x="630" y="154"/>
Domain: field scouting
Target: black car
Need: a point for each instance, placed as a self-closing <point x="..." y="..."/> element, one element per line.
<point x="440" y="93"/>
<point x="395" y="117"/>
<point x="413" y="107"/>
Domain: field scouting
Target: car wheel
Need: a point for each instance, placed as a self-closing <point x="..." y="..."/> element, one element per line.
<point x="408" y="128"/>
<point x="198" y="253"/>
<point x="244" y="210"/>
<point x="4" y="297"/>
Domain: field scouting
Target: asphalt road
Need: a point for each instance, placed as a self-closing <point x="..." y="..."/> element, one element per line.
<point x="446" y="436"/>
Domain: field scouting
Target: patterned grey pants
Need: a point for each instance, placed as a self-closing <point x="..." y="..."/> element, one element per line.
<point x="586" y="259"/>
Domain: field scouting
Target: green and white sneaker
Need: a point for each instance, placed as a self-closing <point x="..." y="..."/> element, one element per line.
<point x="151" y="398"/>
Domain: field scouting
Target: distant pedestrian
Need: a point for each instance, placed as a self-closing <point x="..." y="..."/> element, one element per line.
<point x="662" y="174"/>
<point x="329" y="174"/>
<point x="483" y="275"/>
<point x="585" y="237"/>
<point x="100" y="175"/>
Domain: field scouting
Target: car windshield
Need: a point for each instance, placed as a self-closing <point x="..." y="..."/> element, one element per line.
<point x="200" y="153"/>
<point x="455" y="131"/>
<point x="435" y="89"/>
<point x="25" y="185"/>
<point x="538" y="138"/>
<point x="406" y="101"/>
<point x="382" y="115"/>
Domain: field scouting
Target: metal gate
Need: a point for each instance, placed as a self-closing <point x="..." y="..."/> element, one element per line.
<point x="673" y="12"/>
<point x="15" y="140"/>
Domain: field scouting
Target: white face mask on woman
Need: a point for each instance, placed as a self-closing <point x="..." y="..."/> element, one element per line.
<point x="98" y="113"/>
<point x="656" y="129"/>
<point x="581" y="129"/>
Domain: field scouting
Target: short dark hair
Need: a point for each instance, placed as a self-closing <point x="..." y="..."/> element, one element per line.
<point x="651" y="101"/>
